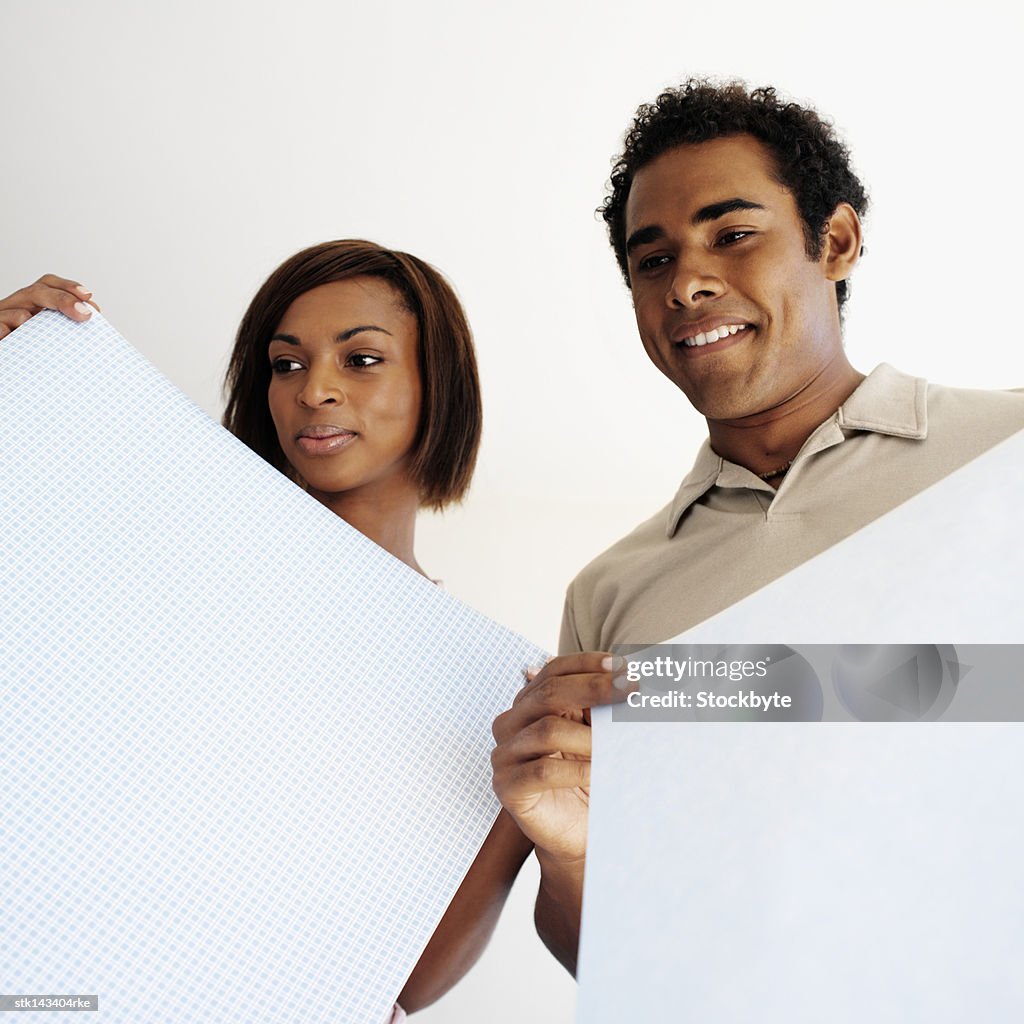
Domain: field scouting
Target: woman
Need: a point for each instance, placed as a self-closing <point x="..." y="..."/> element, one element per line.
<point x="353" y="372"/>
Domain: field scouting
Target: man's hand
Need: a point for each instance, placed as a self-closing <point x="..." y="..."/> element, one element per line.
<point x="49" y="292"/>
<point x="542" y="777"/>
<point x="542" y="758"/>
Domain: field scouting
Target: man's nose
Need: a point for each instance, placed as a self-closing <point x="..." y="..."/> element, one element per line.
<point x="693" y="282"/>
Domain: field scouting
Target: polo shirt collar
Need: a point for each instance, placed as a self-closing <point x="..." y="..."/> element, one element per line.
<point x="886" y="402"/>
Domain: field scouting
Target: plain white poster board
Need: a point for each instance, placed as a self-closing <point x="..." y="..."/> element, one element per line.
<point x="826" y="871"/>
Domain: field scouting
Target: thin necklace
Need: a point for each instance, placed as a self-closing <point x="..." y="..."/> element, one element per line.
<point x="777" y="472"/>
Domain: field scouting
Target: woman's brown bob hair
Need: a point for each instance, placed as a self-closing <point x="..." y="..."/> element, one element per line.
<point x="451" y="417"/>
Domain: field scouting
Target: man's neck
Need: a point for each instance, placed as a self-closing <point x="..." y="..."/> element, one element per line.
<point x="767" y="442"/>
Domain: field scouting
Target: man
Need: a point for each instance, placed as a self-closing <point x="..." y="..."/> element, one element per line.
<point x="736" y="221"/>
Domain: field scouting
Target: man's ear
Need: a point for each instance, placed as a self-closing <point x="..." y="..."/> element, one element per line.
<point x="843" y="243"/>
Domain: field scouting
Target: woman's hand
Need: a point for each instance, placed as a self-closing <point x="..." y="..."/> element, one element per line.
<point x="49" y="292"/>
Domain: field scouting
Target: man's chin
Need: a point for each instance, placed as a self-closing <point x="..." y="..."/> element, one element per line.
<point x="720" y="405"/>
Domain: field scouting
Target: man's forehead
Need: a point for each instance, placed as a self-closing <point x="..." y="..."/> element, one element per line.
<point x="686" y="178"/>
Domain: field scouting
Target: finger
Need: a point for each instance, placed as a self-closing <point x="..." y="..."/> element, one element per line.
<point x="573" y="693"/>
<point x="544" y="738"/>
<point x="568" y="664"/>
<point x="41" y="295"/>
<point x="12" y="319"/>
<point x="517" y="782"/>
<point x="561" y="695"/>
<point x="66" y="284"/>
<point x="575" y="664"/>
<point x="533" y="671"/>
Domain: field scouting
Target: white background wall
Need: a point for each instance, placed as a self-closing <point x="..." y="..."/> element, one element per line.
<point x="170" y="156"/>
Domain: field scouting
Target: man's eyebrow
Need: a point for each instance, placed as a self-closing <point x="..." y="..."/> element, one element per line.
<point x="654" y="232"/>
<point x="715" y="210"/>
<point x="644" y="236"/>
<point x="344" y="336"/>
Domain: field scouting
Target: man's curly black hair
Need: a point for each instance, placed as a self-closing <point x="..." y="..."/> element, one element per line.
<point x="811" y="162"/>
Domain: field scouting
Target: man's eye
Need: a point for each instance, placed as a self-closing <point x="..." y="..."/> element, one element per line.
<point x="653" y="262"/>
<point x="729" y="237"/>
<point x="363" y="359"/>
<point x="284" y="365"/>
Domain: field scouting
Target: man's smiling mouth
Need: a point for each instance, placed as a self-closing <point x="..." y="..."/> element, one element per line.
<point x="716" y="334"/>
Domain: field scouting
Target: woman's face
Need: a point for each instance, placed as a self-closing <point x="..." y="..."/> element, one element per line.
<point x="345" y="390"/>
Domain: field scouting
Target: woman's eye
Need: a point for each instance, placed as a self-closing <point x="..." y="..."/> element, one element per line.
<point x="363" y="359"/>
<point x="285" y="365"/>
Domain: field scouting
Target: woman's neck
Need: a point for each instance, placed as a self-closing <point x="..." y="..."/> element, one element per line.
<point x="388" y="519"/>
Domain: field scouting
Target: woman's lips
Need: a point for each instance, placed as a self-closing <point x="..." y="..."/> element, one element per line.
<point x="324" y="442"/>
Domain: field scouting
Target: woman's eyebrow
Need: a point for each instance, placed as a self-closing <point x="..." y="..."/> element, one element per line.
<point x="290" y="339"/>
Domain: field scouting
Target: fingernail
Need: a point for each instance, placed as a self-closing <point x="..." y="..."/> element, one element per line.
<point x="613" y="662"/>
<point x="82" y="290"/>
<point x="532" y="670"/>
<point x="83" y="307"/>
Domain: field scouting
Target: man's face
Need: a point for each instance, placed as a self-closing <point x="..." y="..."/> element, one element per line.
<point x="728" y="305"/>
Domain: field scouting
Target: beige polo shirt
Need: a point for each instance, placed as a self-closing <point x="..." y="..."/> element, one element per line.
<point x="727" y="533"/>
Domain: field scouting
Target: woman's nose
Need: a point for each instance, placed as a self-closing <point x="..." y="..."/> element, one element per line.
<point x="322" y="386"/>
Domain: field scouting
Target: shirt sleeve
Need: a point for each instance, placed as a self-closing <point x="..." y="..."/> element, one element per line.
<point x="569" y="639"/>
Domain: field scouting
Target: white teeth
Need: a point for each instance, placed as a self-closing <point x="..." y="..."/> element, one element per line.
<point x="710" y="337"/>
